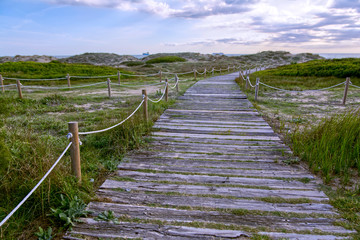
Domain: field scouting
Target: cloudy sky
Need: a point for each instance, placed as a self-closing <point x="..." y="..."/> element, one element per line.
<point x="66" y="27"/>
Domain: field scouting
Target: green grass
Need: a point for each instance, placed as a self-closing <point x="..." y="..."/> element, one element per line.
<point x="166" y="59"/>
<point x="341" y="68"/>
<point x="52" y="70"/>
<point x="333" y="146"/>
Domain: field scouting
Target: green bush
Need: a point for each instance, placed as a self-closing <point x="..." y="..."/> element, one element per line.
<point x="166" y="59"/>
<point x="133" y="63"/>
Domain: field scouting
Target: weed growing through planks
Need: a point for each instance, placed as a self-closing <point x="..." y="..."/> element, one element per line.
<point x="44" y="234"/>
<point x="69" y="211"/>
<point x="107" y="216"/>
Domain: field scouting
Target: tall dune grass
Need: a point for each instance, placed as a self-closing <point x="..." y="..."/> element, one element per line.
<point x="333" y="146"/>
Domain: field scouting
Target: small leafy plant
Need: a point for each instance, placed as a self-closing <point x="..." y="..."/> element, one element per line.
<point x="70" y="210"/>
<point x="107" y="216"/>
<point x="44" y="235"/>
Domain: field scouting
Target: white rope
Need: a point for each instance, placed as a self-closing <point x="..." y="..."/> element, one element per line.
<point x="186" y="80"/>
<point x="93" y="76"/>
<point x="37" y="185"/>
<point x="177" y="82"/>
<point x="148" y="75"/>
<point x="153" y="101"/>
<point x="354" y="86"/>
<point x="284" y="90"/>
<point x="136" y="85"/>
<point x="242" y="76"/>
<point x="9" y="85"/>
<point x="184" y="73"/>
<point x="81" y="86"/>
<point x="106" y="129"/>
<point x="35" y="79"/>
<point x="201" y="73"/>
<point x="248" y="79"/>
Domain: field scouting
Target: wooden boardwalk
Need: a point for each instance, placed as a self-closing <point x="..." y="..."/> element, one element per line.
<point x="214" y="169"/>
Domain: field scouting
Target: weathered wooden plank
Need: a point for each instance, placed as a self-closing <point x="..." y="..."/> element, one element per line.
<point x="213" y="146"/>
<point x="231" y="137"/>
<point x="245" y="112"/>
<point x="215" y="95"/>
<point x="225" y="191"/>
<point x="242" y="132"/>
<point x="294" y="236"/>
<point x="235" y="143"/>
<point x="163" y="124"/>
<point x="90" y="227"/>
<point x="256" y="182"/>
<point x="212" y="164"/>
<point x="214" y="115"/>
<point x="177" y="215"/>
<point x="209" y="202"/>
<point x="220" y="151"/>
<point x="218" y="171"/>
<point x="254" y="121"/>
<point x="225" y="130"/>
<point x="147" y="155"/>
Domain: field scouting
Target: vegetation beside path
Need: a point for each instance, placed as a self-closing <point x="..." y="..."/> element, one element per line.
<point x="33" y="135"/>
<point x="321" y="131"/>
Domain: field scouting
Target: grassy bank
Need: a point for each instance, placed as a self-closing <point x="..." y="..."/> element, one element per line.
<point x="322" y="132"/>
<point x="331" y="147"/>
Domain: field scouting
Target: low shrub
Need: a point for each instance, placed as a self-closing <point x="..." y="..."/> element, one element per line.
<point x="166" y="59"/>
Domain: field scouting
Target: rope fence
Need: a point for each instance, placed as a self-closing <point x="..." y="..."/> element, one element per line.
<point x="36" y="186"/>
<point x="74" y="132"/>
<point x="19" y="86"/>
<point x="347" y="84"/>
<point x="75" y="142"/>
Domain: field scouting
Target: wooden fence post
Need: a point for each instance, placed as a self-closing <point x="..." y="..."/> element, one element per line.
<point x="75" y="150"/>
<point x="68" y="80"/>
<point x="220" y="70"/>
<point x="166" y="90"/>
<point x="257" y="88"/>
<point x="195" y="74"/>
<point x="205" y="73"/>
<point x="228" y="69"/>
<point x="177" y="82"/>
<point x="145" y="106"/>
<point x="2" y="83"/>
<point x="119" y="76"/>
<point x="346" y="90"/>
<point x="247" y="83"/>
<point x="18" y="84"/>
<point x="160" y="73"/>
<point x="109" y="87"/>
<point x="212" y="71"/>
